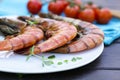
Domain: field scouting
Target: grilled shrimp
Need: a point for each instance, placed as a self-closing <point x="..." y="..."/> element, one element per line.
<point x="90" y="35"/>
<point x="28" y="37"/>
<point x="58" y="33"/>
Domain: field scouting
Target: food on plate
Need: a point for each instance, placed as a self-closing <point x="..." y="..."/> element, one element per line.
<point x="34" y="6"/>
<point x="87" y="15"/>
<point x="58" y="33"/>
<point x="28" y="37"/>
<point x="90" y="35"/>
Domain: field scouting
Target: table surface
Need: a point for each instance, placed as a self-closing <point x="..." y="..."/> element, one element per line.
<point x="106" y="67"/>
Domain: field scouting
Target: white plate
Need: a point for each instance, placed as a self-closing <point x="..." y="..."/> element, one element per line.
<point x="18" y="64"/>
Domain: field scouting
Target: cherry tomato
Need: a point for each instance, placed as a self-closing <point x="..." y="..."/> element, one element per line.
<point x="34" y="6"/>
<point x="65" y="2"/>
<point x="72" y="11"/>
<point x="57" y="7"/>
<point x="104" y="16"/>
<point x="94" y="8"/>
<point x="87" y="15"/>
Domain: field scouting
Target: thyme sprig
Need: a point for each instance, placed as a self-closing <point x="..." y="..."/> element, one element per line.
<point x="49" y="60"/>
<point x="45" y="61"/>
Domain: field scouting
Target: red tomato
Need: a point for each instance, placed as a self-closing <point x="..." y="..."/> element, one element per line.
<point x="72" y="11"/>
<point x="87" y="15"/>
<point x="95" y="9"/>
<point x="57" y="7"/>
<point x="65" y="2"/>
<point x="104" y="16"/>
<point x="34" y="6"/>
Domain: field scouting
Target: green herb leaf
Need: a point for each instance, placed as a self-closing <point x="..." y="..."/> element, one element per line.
<point x="51" y="57"/>
<point x="73" y="59"/>
<point x="45" y="61"/>
<point x="78" y="58"/>
<point x="48" y="63"/>
<point x="28" y="57"/>
<point x="31" y="53"/>
<point x="66" y="61"/>
<point x="40" y="57"/>
<point x="32" y="50"/>
<point x="31" y="22"/>
<point x="59" y="63"/>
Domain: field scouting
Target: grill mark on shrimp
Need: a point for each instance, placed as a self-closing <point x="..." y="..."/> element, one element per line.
<point x="97" y="31"/>
<point x="85" y="43"/>
<point x="64" y="37"/>
<point x="93" y="40"/>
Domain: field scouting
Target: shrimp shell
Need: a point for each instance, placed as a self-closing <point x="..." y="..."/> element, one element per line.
<point x="62" y="33"/>
<point x="28" y="38"/>
<point x="92" y="36"/>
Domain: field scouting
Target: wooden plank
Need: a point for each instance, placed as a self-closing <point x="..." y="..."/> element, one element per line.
<point x="113" y="4"/>
<point x="109" y="60"/>
<point x="76" y="74"/>
<point x="9" y="76"/>
<point x="115" y="13"/>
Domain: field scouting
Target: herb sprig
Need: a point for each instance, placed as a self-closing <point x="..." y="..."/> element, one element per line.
<point x="31" y="22"/>
<point x="31" y="53"/>
<point x="45" y="61"/>
<point x="49" y="60"/>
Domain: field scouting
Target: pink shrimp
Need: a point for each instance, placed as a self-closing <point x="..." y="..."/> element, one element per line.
<point x="90" y="35"/>
<point x="60" y="33"/>
<point x="29" y="37"/>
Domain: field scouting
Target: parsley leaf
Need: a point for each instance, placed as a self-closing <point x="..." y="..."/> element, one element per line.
<point x="73" y="59"/>
<point x="59" y="63"/>
<point x="78" y="58"/>
<point x="66" y="61"/>
<point x="51" y="57"/>
<point x="48" y="62"/>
